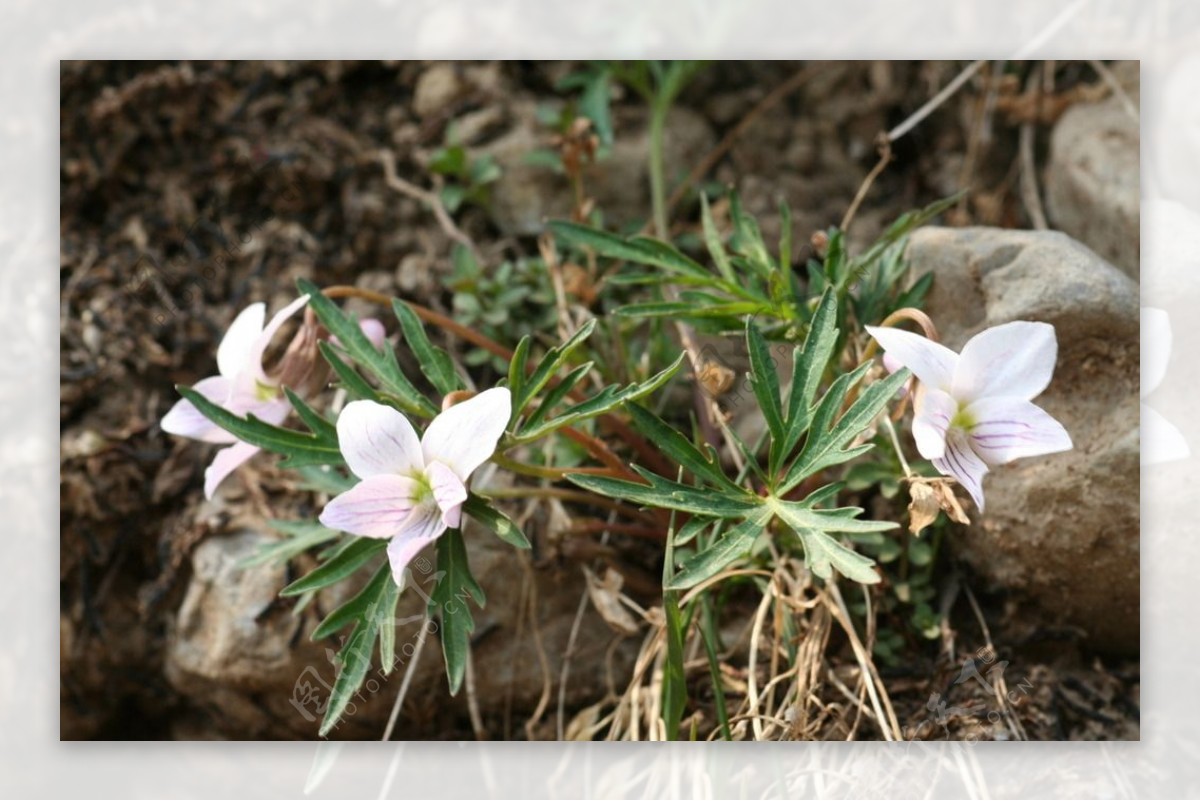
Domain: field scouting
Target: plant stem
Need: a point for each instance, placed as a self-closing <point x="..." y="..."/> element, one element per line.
<point x="658" y="191"/>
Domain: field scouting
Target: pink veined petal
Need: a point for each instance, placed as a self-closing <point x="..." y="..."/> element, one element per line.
<point x="448" y="491"/>
<point x="423" y="527"/>
<point x="273" y="411"/>
<point x="935" y="410"/>
<point x="1162" y="441"/>
<point x="185" y="420"/>
<point x="465" y="435"/>
<point x="963" y="463"/>
<point x="378" y="507"/>
<point x="225" y="462"/>
<point x="236" y="350"/>
<point x="263" y="341"/>
<point x="1156" y="347"/>
<point x="930" y="361"/>
<point x="1011" y="428"/>
<point x="378" y="440"/>
<point x="1014" y="360"/>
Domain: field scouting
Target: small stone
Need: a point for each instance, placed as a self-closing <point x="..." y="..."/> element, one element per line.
<point x="437" y="88"/>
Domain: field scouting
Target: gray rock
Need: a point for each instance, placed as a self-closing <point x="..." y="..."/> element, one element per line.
<point x="1061" y="531"/>
<point x="1093" y="176"/>
<point x="526" y="194"/>
<point x="245" y="658"/>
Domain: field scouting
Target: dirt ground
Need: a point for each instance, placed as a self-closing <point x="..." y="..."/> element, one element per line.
<point x="189" y="190"/>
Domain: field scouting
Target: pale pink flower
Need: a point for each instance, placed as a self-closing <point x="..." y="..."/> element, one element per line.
<point x="973" y="409"/>
<point x="241" y="387"/>
<point x="412" y="488"/>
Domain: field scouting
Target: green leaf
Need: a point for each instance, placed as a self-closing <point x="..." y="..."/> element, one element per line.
<point x="516" y="370"/>
<point x="688" y="531"/>
<point x="594" y="104"/>
<point x="603" y="402"/>
<point x="666" y="494"/>
<point x="553" y="360"/>
<point x="356" y="609"/>
<point x="728" y="548"/>
<point x="904" y="225"/>
<point x="556" y="395"/>
<point x="679" y="448"/>
<point x="381" y="363"/>
<point x="356" y="553"/>
<point x="355" y="659"/>
<point x="480" y="509"/>
<point x="435" y="363"/>
<point x="708" y="632"/>
<point x="764" y="380"/>
<point x="692" y="310"/>
<point x="356" y="386"/>
<point x="639" y="250"/>
<point x="821" y="552"/>
<point x="299" y="448"/>
<point x="452" y="596"/>
<point x="797" y="514"/>
<point x="318" y="425"/>
<point x="826" y="443"/>
<point x="809" y="363"/>
<point x="301" y="535"/>
<point x="712" y="239"/>
<point x="674" y="680"/>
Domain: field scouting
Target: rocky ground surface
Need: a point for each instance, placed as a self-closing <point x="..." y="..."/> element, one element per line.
<point x="189" y="190"/>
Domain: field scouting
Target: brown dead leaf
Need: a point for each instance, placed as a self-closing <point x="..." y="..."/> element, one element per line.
<point x="606" y="597"/>
<point x="929" y="496"/>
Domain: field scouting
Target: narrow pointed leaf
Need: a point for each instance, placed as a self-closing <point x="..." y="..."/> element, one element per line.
<point x="381" y="363"/>
<point x="452" y="596"/>
<point x="435" y="363"/>
<point x="356" y="553"/>
<point x="732" y="545"/>
<point x="481" y="510"/>
<point x="299" y="448"/>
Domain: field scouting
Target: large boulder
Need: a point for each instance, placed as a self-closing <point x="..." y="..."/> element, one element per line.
<point x="1093" y="189"/>
<point x="1060" y="531"/>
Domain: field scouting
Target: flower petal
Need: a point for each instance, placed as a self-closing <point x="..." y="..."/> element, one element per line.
<point x="378" y="440"/>
<point x="1012" y="360"/>
<point x="1156" y="347"/>
<point x="448" y="491"/>
<point x="263" y="341"/>
<point x="1162" y="441"/>
<point x="963" y="463"/>
<point x="185" y="420"/>
<point x="935" y="410"/>
<point x="465" y="435"/>
<point x="378" y="507"/>
<point x="930" y="361"/>
<point x="1010" y="428"/>
<point x="423" y="527"/>
<point x="236" y="351"/>
<point x="225" y="462"/>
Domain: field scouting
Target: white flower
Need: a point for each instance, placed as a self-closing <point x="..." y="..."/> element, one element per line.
<point x="1161" y="440"/>
<point x="241" y="387"/>
<point x="973" y="410"/>
<point x="412" y="489"/>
